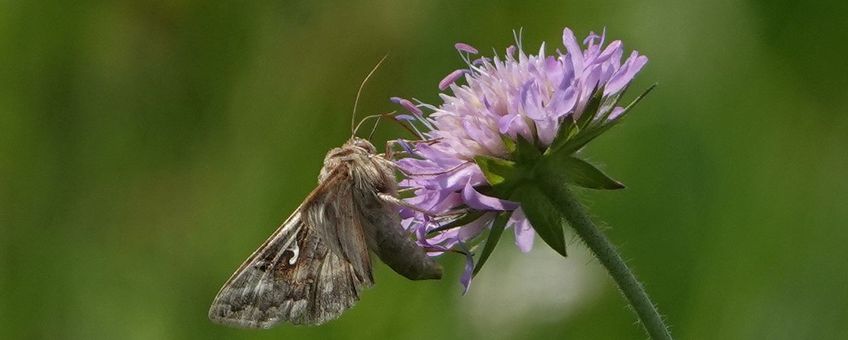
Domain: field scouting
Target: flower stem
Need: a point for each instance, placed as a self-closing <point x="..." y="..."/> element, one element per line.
<point x="604" y="250"/>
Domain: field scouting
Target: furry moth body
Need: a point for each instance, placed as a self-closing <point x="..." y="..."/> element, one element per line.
<point x="314" y="266"/>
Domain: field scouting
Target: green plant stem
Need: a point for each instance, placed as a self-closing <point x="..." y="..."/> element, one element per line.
<point x="604" y="250"/>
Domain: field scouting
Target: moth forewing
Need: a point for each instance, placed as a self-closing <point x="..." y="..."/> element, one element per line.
<point x="315" y="264"/>
<point x="293" y="276"/>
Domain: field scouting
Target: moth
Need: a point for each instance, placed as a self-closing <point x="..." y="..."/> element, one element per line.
<point x="314" y="266"/>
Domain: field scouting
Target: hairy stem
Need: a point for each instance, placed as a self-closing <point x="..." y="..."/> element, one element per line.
<point x="604" y="250"/>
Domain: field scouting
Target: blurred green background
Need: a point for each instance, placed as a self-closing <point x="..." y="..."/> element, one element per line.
<point x="147" y="147"/>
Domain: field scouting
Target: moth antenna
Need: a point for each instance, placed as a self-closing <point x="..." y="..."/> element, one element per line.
<point x="359" y="92"/>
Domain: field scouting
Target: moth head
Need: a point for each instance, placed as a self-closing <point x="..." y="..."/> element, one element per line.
<point x="363" y="144"/>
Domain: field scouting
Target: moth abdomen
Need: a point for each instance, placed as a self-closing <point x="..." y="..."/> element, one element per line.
<point x="392" y="244"/>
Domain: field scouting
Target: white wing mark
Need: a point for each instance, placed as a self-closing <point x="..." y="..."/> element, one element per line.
<point x="295" y="252"/>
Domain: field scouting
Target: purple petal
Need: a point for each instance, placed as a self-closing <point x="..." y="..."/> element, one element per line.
<point x="568" y="74"/>
<point x="603" y="36"/>
<point x="406" y="213"/>
<point x="448" y="202"/>
<point x="590" y="39"/>
<point x="480" y="131"/>
<point x="530" y="101"/>
<point x="446" y="160"/>
<point x="450" y="79"/>
<point x="475" y="228"/>
<point x="468" y="273"/>
<point x="481" y="61"/>
<point x="414" y="165"/>
<point x="505" y="122"/>
<point x="513" y="125"/>
<point x="446" y="239"/>
<point x="625" y="74"/>
<point x="616" y="112"/>
<point x="524" y="233"/>
<point x="406" y="147"/>
<point x="573" y="48"/>
<point x="563" y="102"/>
<point x="510" y="51"/>
<point x="478" y="201"/>
<point x="431" y="245"/>
<point x="546" y="129"/>
<point x="609" y="51"/>
<point x="463" y="47"/>
<point x="456" y="180"/>
<point x="551" y="65"/>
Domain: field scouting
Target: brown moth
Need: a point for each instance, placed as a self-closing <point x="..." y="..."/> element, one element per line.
<point x="314" y="266"/>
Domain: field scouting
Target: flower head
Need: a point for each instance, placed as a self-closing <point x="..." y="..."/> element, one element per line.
<point x="512" y="111"/>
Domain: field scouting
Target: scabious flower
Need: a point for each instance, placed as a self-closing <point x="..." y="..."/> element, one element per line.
<point x="513" y="112"/>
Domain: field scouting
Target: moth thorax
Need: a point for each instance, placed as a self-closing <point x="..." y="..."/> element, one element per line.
<point x="363" y="144"/>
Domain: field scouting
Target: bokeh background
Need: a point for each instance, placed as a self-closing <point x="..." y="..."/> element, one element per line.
<point x="147" y="147"/>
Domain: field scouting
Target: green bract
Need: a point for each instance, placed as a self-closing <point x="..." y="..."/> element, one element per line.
<point x="524" y="176"/>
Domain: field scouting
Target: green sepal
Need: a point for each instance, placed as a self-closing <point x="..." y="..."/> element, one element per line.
<point x="581" y="138"/>
<point x="608" y="105"/>
<point x="509" y="144"/>
<point x="496" y="170"/>
<point x="492" y="241"/>
<point x="566" y="131"/>
<point x="543" y="215"/>
<point x="591" y="110"/>
<point x="525" y="152"/>
<point x="580" y="173"/>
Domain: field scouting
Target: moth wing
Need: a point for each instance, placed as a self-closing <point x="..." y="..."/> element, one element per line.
<point x="293" y="276"/>
<point x="337" y="221"/>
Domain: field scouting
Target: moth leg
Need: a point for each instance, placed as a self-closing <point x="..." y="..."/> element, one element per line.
<point x="457" y="167"/>
<point x="390" y="145"/>
<point x="410" y="174"/>
<point x="387" y="162"/>
<point x="405" y="190"/>
<point x="399" y="202"/>
<point x="390" y="148"/>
